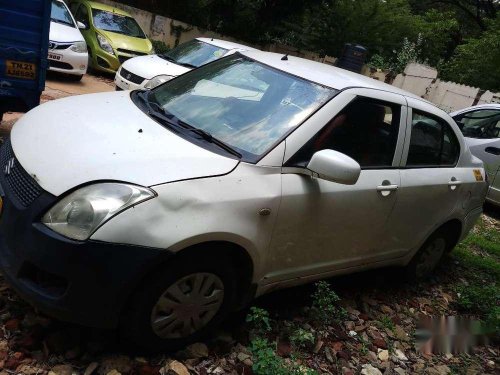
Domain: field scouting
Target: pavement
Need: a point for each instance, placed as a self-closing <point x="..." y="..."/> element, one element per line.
<point x="58" y="86"/>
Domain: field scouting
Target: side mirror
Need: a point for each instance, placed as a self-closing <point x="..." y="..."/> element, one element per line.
<point x="334" y="166"/>
<point x="81" y="25"/>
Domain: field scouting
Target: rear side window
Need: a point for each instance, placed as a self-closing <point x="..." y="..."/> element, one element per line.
<point x="433" y="143"/>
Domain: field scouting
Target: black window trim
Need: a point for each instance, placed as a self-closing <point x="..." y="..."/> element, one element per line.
<point x="410" y="127"/>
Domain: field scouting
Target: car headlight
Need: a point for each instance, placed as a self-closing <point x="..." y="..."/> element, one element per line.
<point x="105" y="45"/>
<point x="79" y="47"/>
<point x="157" y="81"/>
<point x="79" y="214"/>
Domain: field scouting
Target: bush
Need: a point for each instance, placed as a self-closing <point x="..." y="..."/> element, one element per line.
<point x="301" y="338"/>
<point x="259" y="320"/>
<point x="325" y="309"/>
<point x="160" y="47"/>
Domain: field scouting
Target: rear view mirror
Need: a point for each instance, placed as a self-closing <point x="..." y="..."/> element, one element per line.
<point x="334" y="166"/>
<point x="81" y="25"/>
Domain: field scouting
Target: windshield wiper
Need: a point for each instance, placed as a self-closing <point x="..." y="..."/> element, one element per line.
<point x="187" y="65"/>
<point x="210" y="138"/>
<point x="169" y="120"/>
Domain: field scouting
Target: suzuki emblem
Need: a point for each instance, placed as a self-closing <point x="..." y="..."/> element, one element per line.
<point x="9" y="166"/>
<point x="129" y="76"/>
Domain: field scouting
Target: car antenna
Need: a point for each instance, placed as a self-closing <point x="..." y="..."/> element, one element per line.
<point x="285" y="58"/>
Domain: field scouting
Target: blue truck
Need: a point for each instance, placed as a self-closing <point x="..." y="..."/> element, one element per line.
<point x="24" y="40"/>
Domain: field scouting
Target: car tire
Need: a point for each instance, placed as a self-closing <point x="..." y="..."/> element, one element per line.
<point x="427" y="258"/>
<point x="152" y="304"/>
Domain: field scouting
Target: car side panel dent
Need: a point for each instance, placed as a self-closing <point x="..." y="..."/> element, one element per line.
<point x="239" y="208"/>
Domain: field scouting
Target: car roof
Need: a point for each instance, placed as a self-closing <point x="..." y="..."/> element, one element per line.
<point x="107" y="8"/>
<point x="323" y="74"/>
<point x="478" y="106"/>
<point x="226" y="44"/>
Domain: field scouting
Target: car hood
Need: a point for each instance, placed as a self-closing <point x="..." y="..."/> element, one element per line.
<point x="151" y="66"/>
<point x="72" y="141"/>
<point x="64" y="34"/>
<point x="127" y="42"/>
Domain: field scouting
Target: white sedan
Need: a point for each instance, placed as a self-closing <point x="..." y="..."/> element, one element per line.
<point x="481" y="127"/>
<point x="147" y="72"/>
<point x="161" y="211"/>
<point x="67" y="48"/>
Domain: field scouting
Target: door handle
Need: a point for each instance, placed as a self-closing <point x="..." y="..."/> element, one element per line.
<point x="492" y="150"/>
<point x="454" y="183"/>
<point x="386" y="188"/>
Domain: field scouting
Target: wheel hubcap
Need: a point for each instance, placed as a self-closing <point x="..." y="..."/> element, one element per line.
<point x="187" y="305"/>
<point x="430" y="257"/>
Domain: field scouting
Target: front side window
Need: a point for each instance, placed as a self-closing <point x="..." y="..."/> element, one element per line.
<point x="117" y="23"/>
<point x="433" y="142"/>
<point x="365" y="130"/>
<point x="60" y="14"/>
<point x="82" y="15"/>
<point x="483" y="123"/>
<point x="194" y="53"/>
<point x="241" y="102"/>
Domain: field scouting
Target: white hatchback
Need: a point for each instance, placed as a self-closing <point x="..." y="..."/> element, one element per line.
<point x="67" y="47"/>
<point x="147" y="72"/>
<point x="161" y="211"/>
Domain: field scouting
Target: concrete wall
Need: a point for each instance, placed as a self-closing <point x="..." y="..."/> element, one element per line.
<point x="422" y="80"/>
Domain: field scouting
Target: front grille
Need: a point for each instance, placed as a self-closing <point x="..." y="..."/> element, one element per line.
<point x="60" y="65"/>
<point x="56" y="45"/>
<point x="122" y="59"/>
<point x="23" y="187"/>
<point x="135" y="53"/>
<point x="129" y="76"/>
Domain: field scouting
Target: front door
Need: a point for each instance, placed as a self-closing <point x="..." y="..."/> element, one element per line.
<point x="324" y="226"/>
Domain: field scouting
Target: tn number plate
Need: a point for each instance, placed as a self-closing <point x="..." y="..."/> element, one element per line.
<point x="54" y="56"/>
<point x="20" y="69"/>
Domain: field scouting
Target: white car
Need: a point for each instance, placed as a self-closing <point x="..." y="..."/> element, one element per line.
<point x="481" y="127"/>
<point x="147" y="72"/>
<point x="67" y="48"/>
<point x="161" y="211"/>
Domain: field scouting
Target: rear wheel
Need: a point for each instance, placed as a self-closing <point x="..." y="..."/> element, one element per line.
<point x="428" y="256"/>
<point x="178" y="305"/>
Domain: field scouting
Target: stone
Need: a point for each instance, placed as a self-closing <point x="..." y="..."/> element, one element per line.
<point x="114" y="372"/>
<point x="119" y="363"/>
<point x="176" y="368"/>
<point x="91" y="368"/>
<point x="329" y="355"/>
<point x="379" y="343"/>
<point x="28" y="370"/>
<point x="370" y="370"/>
<point x="372" y="357"/>
<point x="242" y="356"/>
<point x="386" y="309"/>
<point x="400" y="333"/>
<point x="61" y="370"/>
<point x="12" y="325"/>
<point x="197" y="350"/>
<point x="400" y="355"/>
<point x="248" y="362"/>
<point x="438" y="370"/>
<point x="399" y="371"/>
<point x="383" y="355"/>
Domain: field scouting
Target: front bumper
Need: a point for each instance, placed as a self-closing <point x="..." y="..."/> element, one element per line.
<point x="82" y="282"/>
<point x="68" y="61"/>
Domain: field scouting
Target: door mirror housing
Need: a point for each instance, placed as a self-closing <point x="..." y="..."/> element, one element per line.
<point x="334" y="166"/>
<point x="81" y="25"/>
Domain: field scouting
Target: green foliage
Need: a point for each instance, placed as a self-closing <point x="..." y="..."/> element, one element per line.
<point x="267" y="362"/>
<point x="476" y="61"/>
<point x="477" y="298"/>
<point x="302" y="338"/>
<point x="386" y="322"/>
<point x="325" y="309"/>
<point x="160" y="47"/>
<point x="259" y="320"/>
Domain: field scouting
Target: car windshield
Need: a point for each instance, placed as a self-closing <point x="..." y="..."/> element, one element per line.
<point x="484" y="124"/>
<point x="60" y="14"/>
<point x="117" y="23"/>
<point x="195" y="53"/>
<point x="241" y="102"/>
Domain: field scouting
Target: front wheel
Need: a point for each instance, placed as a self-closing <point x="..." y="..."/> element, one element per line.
<point x="428" y="257"/>
<point x="179" y="304"/>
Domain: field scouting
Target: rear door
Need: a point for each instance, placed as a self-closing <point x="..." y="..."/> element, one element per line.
<point x="434" y="185"/>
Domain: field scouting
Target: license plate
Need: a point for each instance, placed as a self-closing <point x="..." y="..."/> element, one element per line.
<point x="20" y="69"/>
<point x="54" y="56"/>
